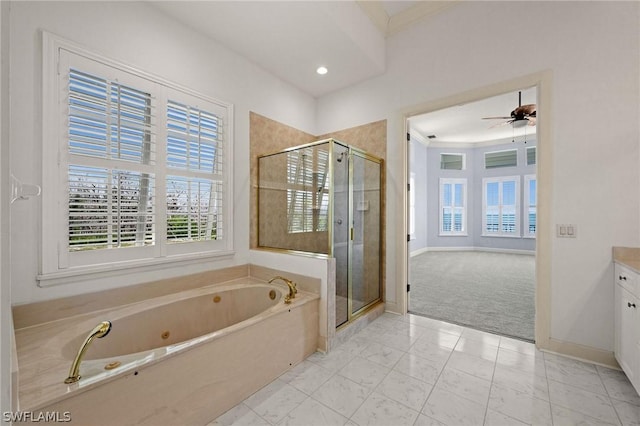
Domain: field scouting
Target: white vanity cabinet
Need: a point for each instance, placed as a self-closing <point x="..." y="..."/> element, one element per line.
<point x="627" y="323"/>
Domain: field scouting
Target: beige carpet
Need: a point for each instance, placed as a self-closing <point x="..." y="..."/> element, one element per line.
<point x="493" y="292"/>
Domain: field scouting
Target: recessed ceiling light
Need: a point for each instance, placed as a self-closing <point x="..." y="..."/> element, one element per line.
<point x="322" y="70"/>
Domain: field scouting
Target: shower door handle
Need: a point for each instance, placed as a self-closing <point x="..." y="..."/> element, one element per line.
<point x="351" y="234"/>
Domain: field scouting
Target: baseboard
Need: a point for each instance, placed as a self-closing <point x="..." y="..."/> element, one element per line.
<point x="482" y="249"/>
<point x="393" y="308"/>
<point x="579" y="352"/>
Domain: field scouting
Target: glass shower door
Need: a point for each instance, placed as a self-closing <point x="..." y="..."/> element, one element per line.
<point x="341" y="230"/>
<point x="365" y="239"/>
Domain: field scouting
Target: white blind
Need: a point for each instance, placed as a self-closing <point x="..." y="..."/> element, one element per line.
<point x="193" y="209"/>
<point x="195" y="189"/>
<point x="109" y="208"/>
<point x="108" y="120"/>
<point x="194" y="139"/>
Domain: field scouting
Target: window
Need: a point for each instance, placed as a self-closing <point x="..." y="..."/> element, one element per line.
<point x="500" y="207"/>
<point x="307" y="190"/>
<point x="453" y="207"/>
<point x="497" y="159"/>
<point x="530" y="204"/>
<point x="531" y="155"/>
<point x="143" y="175"/>
<point x="452" y="162"/>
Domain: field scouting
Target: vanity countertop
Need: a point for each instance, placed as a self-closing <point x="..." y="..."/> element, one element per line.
<point x="627" y="256"/>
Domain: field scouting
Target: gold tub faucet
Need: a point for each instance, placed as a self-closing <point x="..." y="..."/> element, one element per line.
<point x="98" y="331"/>
<point x="292" y="288"/>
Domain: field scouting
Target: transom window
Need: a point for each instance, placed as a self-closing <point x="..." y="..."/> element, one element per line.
<point x="452" y="161"/>
<point x="497" y="159"/>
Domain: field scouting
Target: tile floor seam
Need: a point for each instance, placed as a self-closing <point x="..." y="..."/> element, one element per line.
<point x="615" y="410"/>
<point x="436" y="381"/>
<point x="493" y="375"/>
<point x="559" y="404"/>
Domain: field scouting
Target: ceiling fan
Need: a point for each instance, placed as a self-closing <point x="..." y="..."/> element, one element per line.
<point x="521" y="116"/>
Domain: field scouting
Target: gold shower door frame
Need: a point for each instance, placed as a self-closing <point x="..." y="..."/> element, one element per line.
<point x="352" y="154"/>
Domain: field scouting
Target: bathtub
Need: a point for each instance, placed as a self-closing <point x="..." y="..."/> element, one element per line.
<point x="183" y="358"/>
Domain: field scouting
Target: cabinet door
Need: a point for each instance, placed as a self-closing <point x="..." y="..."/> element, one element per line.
<point x="626" y="335"/>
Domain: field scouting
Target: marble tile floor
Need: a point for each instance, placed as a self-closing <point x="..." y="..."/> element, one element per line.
<point x="412" y="370"/>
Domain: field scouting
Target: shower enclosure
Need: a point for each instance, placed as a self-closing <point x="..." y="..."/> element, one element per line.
<point x="325" y="197"/>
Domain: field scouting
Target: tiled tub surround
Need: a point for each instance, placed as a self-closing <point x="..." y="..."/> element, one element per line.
<point x="411" y="370"/>
<point x="199" y="374"/>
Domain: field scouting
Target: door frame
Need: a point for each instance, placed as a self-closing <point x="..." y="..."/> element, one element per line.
<point x="543" y="81"/>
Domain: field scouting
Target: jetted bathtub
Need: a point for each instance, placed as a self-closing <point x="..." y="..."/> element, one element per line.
<point x="184" y="358"/>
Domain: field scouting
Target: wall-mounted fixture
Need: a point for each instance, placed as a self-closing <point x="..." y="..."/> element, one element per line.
<point x="23" y="191"/>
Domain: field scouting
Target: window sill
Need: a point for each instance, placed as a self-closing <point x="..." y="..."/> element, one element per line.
<point x="453" y="235"/>
<point x="72" y="275"/>
<point x="501" y="236"/>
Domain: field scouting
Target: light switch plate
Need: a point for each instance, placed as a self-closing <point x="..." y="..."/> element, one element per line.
<point x="566" y="230"/>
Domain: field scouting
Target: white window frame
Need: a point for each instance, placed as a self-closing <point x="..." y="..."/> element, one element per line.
<point x="453" y="182"/>
<point x="57" y="265"/>
<point x="526" y="205"/>
<point x="500" y="181"/>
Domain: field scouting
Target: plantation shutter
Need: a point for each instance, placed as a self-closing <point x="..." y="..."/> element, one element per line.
<point x="194" y="187"/>
<point x="110" y="151"/>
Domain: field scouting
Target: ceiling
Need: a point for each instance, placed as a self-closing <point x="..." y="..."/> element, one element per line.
<point x="464" y="124"/>
<point x="291" y="39"/>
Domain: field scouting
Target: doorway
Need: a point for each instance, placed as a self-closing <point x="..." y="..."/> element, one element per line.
<point x="472" y="213"/>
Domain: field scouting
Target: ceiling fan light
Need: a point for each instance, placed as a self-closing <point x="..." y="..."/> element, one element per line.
<point x="520" y="123"/>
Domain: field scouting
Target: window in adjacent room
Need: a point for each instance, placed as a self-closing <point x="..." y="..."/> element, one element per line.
<point x="497" y="159"/>
<point x="531" y="155"/>
<point x="530" y="206"/>
<point x="452" y="161"/>
<point x="500" y="206"/>
<point x="453" y="207"/>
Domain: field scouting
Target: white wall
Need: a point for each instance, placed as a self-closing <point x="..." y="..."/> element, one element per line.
<point x="6" y="329"/>
<point x="143" y="37"/>
<point x="592" y="50"/>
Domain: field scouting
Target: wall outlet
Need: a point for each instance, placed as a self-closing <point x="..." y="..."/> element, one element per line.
<point x="566" y="230"/>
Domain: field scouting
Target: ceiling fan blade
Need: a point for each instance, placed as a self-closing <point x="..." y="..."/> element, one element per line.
<point x="496" y="118"/>
<point x="504" y="123"/>
<point x="532" y="121"/>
